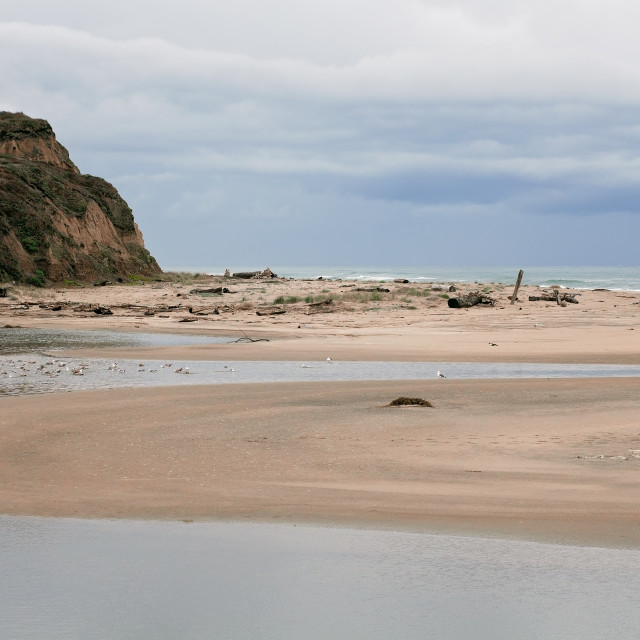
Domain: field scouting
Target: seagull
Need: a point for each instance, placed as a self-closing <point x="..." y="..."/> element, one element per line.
<point x="306" y="366"/>
<point x="493" y="344"/>
<point x="440" y="375"/>
<point x="329" y="359"/>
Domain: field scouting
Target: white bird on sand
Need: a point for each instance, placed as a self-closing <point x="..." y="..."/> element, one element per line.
<point x="306" y="366"/>
<point x="329" y="359"/>
<point x="440" y="375"/>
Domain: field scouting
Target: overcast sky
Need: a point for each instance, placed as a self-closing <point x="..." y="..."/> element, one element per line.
<point x="350" y="132"/>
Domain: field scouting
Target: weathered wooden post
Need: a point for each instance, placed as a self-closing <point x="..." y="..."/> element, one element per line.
<point x="518" y="281"/>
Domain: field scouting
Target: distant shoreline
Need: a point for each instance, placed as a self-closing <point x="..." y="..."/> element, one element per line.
<point x="580" y="277"/>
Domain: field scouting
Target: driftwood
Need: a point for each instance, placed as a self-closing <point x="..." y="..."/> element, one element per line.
<point x="514" y="296"/>
<point x="102" y="311"/>
<point x="246" y="338"/>
<point x="322" y="306"/>
<point x="471" y="300"/>
<point x="247" y="275"/>
<point x="211" y="290"/>
<point x="555" y="297"/>
<point x="270" y="311"/>
<point x="401" y="281"/>
<point x="225" y="308"/>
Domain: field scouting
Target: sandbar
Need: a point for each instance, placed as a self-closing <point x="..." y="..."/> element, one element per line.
<point x="549" y="459"/>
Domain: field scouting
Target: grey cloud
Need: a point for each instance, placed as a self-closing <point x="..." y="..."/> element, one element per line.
<point x="477" y="120"/>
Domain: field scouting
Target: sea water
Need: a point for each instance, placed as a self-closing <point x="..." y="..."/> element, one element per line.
<point x="619" y="278"/>
<point x="67" y="579"/>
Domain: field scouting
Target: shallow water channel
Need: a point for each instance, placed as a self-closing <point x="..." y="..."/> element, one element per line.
<point x="29" y="364"/>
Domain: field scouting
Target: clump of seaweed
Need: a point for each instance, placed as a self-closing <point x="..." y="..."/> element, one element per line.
<point x="403" y="401"/>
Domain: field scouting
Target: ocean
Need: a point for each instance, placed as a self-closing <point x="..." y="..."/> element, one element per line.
<point x="615" y="278"/>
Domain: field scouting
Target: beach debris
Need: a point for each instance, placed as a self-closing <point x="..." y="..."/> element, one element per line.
<point x="260" y="275"/>
<point x="246" y="338"/>
<point x="514" y="295"/>
<point x="219" y="290"/>
<point x="555" y="296"/>
<point x="321" y="306"/>
<point x="404" y="401"/>
<point x="102" y="311"/>
<point x="493" y="344"/>
<point x="471" y="300"/>
<point x="632" y="454"/>
<point x="273" y="310"/>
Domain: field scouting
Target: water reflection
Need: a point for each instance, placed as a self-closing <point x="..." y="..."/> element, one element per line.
<point x="106" y="579"/>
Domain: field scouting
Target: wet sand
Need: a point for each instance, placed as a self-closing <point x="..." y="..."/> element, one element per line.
<point x="541" y="459"/>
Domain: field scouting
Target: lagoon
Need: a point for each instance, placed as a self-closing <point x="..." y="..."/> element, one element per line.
<point x="97" y="579"/>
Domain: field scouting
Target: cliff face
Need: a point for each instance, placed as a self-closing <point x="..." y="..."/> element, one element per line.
<point x="55" y="223"/>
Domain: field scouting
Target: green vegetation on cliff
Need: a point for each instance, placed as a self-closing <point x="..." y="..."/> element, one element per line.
<point x="56" y="223"/>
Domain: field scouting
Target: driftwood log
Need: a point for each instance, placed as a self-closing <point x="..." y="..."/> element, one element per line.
<point x="270" y="311"/>
<point x="322" y="306"/>
<point x="470" y="300"/>
<point x="555" y="297"/>
<point x="247" y="275"/>
<point x="102" y="311"/>
<point x="211" y="290"/>
<point x="514" y="296"/>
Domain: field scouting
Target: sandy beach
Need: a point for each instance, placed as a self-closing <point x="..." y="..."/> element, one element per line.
<point x="541" y="459"/>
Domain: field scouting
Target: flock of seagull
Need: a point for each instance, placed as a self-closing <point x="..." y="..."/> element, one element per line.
<point x="52" y="368"/>
<point x="19" y="368"/>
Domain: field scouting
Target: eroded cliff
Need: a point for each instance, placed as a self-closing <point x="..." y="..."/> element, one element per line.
<point x="57" y="224"/>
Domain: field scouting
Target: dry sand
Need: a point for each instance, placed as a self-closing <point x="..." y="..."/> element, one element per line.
<point x="541" y="459"/>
